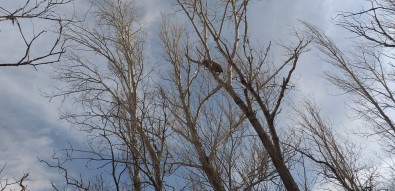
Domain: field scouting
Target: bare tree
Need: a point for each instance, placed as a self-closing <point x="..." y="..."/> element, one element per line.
<point x="374" y="24"/>
<point x="256" y="84"/>
<point x="336" y="160"/>
<point x="366" y="74"/>
<point x="387" y="180"/>
<point x="216" y="144"/>
<point x="126" y="123"/>
<point x="6" y="183"/>
<point x="44" y="10"/>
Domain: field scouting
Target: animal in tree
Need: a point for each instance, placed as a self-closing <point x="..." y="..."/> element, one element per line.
<point x="212" y="66"/>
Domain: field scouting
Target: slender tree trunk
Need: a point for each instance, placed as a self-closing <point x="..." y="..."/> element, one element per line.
<point x="275" y="155"/>
<point x="213" y="176"/>
<point x="136" y="178"/>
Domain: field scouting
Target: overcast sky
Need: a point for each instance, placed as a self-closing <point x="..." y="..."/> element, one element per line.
<point x="29" y="123"/>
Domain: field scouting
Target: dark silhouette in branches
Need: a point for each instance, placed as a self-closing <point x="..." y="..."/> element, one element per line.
<point x="213" y="66"/>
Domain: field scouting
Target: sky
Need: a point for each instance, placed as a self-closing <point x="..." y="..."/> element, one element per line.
<point x="29" y="122"/>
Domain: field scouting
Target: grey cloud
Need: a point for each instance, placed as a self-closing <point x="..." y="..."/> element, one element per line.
<point x="29" y="125"/>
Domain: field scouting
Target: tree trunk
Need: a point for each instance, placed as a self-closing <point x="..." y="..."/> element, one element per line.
<point x="275" y="155"/>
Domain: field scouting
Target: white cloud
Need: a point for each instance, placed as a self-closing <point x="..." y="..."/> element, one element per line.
<point x="29" y="124"/>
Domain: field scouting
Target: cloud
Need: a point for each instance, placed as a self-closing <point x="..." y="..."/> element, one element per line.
<point x="29" y="124"/>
